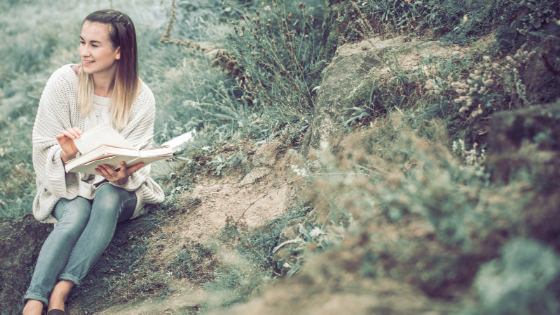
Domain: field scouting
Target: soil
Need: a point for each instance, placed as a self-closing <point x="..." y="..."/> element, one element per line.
<point x="143" y="250"/>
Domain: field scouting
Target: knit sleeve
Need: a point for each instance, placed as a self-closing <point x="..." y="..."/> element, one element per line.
<point x="142" y="122"/>
<point x="53" y="116"/>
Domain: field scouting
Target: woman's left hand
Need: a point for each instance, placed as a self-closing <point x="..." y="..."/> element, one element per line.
<point x="119" y="177"/>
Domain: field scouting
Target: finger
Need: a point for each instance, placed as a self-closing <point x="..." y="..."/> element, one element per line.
<point x="73" y="132"/>
<point x="59" y="136"/>
<point x="134" y="167"/>
<point x="99" y="171"/>
<point x="107" y="172"/>
<point x="123" y="167"/>
<point x="78" y="130"/>
<point x="67" y="134"/>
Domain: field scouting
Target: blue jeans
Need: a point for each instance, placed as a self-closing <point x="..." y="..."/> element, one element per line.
<point x="84" y="230"/>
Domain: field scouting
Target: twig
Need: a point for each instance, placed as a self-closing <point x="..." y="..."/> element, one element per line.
<point x="165" y="37"/>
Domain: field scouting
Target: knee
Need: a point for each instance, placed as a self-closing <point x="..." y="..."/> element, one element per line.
<point x="107" y="198"/>
<point x="76" y="215"/>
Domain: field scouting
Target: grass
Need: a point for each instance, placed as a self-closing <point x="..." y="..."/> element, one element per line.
<point x="416" y="153"/>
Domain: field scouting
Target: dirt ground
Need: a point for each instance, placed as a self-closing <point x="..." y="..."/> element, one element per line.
<point x="251" y="199"/>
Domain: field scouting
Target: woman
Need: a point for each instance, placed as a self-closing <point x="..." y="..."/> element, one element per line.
<point x="105" y="88"/>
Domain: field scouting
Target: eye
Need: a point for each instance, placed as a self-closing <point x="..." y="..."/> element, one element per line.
<point x="94" y="45"/>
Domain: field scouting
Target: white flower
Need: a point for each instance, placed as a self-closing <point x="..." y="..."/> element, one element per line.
<point x="316" y="232"/>
<point x="299" y="171"/>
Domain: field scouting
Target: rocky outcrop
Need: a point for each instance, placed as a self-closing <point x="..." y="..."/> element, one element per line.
<point x="20" y="243"/>
<point x="542" y="73"/>
<point x="348" y="80"/>
<point x="264" y="158"/>
<point x="525" y="148"/>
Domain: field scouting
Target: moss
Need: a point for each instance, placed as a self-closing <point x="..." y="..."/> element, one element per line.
<point x="364" y="90"/>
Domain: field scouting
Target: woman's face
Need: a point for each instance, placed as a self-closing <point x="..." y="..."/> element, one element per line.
<point x="97" y="51"/>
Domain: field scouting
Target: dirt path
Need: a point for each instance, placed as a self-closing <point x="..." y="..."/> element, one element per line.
<point x="253" y="199"/>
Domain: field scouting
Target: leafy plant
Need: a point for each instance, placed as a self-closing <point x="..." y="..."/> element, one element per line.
<point x="318" y="238"/>
<point x="274" y="61"/>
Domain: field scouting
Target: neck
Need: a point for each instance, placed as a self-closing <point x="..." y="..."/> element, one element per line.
<point x="102" y="82"/>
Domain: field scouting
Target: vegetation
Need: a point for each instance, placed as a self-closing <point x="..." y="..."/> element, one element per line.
<point x="242" y="72"/>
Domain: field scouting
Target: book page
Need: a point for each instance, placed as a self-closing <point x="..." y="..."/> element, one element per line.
<point x="114" y="162"/>
<point x="98" y="136"/>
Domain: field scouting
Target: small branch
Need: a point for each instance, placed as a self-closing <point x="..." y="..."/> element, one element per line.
<point x="165" y="37"/>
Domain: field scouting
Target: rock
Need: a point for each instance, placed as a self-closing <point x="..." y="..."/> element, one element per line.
<point x="20" y="243"/>
<point x="526" y="149"/>
<point x="254" y="175"/>
<point x="542" y="73"/>
<point x="347" y="81"/>
<point x="526" y="139"/>
<point x="266" y="154"/>
<point x="291" y="230"/>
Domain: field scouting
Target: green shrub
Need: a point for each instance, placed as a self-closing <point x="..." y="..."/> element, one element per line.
<point x="524" y="280"/>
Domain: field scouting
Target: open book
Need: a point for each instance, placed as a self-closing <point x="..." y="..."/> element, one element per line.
<point x="104" y="145"/>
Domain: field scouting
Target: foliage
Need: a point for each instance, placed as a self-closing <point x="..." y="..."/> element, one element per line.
<point x="461" y="90"/>
<point x="251" y="266"/>
<point x="458" y="21"/>
<point x="194" y="262"/>
<point x="313" y="239"/>
<point x="524" y="280"/>
<point x="275" y="61"/>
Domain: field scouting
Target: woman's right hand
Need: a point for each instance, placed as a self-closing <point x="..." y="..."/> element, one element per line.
<point x="65" y="139"/>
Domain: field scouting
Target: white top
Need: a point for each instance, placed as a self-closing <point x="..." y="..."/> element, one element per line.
<point x="59" y="110"/>
<point x="99" y="115"/>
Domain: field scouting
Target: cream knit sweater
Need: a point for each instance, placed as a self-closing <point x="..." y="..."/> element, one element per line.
<point x="59" y="110"/>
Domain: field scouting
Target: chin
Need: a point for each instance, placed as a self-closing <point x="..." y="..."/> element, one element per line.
<point x="87" y="70"/>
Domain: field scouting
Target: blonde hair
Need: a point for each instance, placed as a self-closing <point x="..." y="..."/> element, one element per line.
<point x="125" y="84"/>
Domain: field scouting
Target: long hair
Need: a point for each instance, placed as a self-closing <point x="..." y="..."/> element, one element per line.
<point x="125" y="83"/>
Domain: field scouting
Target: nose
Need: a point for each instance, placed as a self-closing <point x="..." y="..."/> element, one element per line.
<point x="84" y="51"/>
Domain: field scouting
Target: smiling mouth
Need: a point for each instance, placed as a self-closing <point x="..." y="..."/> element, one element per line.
<point x="88" y="62"/>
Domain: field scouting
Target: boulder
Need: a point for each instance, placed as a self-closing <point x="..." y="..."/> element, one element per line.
<point x="255" y="174"/>
<point x="20" y="243"/>
<point x="526" y="140"/>
<point x="266" y="154"/>
<point x="348" y="79"/>
<point x="542" y="73"/>
<point x="526" y="149"/>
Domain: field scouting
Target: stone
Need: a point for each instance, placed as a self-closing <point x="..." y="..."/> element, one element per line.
<point x="20" y="243"/>
<point x="526" y="139"/>
<point x="266" y="154"/>
<point x="255" y="174"/>
<point x="526" y="149"/>
<point x="542" y="73"/>
<point x="347" y="81"/>
<point x="291" y="231"/>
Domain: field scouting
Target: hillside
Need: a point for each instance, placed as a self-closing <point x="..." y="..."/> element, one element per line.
<point x="365" y="158"/>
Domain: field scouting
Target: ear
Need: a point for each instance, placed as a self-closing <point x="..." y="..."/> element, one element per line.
<point x="118" y="53"/>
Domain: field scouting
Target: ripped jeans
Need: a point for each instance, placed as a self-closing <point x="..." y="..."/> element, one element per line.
<point x="84" y="230"/>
